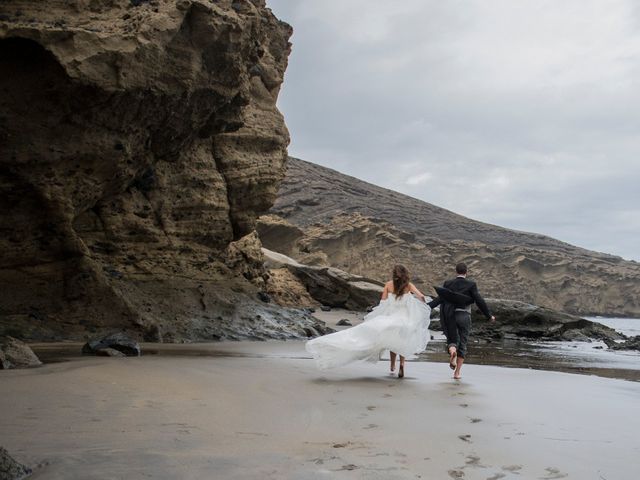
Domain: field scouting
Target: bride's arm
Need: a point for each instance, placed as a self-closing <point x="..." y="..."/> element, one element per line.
<point x="418" y="293"/>
<point x="385" y="292"/>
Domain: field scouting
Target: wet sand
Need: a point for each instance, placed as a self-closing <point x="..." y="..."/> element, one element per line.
<point x="261" y="410"/>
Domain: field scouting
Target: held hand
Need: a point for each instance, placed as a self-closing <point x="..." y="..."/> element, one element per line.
<point x="493" y="319"/>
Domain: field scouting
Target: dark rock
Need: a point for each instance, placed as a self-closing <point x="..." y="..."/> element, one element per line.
<point x="632" y="343"/>
<point x="10" y="469"/>
<point x="434" y="325"/>
<point x="16" y="354"/>
<point x="117" y="341"/>
<point x="344" y="323"/>
<point x="325" y="308"/>
<point x="522" y="320"/>
<point x="574" y="335"/>
<point x="264" y="297"/>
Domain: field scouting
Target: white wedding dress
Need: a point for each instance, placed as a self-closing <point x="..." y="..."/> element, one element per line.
<point x="400" y="325"/>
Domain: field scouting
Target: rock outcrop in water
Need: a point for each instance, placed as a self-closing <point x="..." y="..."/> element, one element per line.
<point x="325" y="218"/>
<point x="138" y="143"/>
<point x="519" y="320"/>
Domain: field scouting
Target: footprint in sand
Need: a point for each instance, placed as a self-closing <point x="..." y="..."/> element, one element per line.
<point x="370" y="426"/>
<point x="465" y="438"/>
<point x="475" y="420"/>
<point x="553" y="473"/>
<point x="473" y="461"/>
<point x="456" y="473"/>
<point x="387" y="395"/>
<point x="497" y="476"/>
<point x="463" y="405"/>
<point x="371" y="408"/>
<point x="512" y="468"/>
<point x="351" y="466"/>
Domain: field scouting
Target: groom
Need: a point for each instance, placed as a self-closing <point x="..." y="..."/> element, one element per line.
<point x="455" y="315"/>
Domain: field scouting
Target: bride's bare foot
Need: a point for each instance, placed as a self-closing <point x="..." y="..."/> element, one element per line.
<point x="457" y="376"/>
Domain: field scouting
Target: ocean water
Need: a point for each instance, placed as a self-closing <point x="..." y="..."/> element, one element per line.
<point x="627" y="326"/>
<point x="591" y="358"/>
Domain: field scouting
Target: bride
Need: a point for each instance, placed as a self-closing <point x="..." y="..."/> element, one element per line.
<point x="400" y="324"/>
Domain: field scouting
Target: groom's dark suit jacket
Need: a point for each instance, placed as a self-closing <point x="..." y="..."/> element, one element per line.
<point x="448" y="310"/>
<point x="466" y="287"/>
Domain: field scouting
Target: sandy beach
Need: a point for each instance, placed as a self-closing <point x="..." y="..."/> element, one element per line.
<point x="261" y="410"/>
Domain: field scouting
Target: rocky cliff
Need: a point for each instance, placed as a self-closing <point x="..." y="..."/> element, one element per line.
<point x="322" y="217"/>
<point x="139" y="140"/>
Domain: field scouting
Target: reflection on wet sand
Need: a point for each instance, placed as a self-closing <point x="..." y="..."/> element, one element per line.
<point x="570" y="357"/>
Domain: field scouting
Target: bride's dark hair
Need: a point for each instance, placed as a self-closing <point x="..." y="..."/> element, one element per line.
<point x="400" y="277"/>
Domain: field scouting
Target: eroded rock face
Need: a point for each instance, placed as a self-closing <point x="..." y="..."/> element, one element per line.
<point x="329" y="286"/>
<point x="325" y="218"/>
<point x="138" y="142"/>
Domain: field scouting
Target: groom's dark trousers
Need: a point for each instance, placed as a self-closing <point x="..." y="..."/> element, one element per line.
<point x="456" y="319"/>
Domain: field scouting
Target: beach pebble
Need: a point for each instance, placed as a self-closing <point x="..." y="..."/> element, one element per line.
<point x="344" y="323"/>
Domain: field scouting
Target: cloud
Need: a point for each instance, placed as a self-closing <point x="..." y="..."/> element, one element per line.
<point x="419" y="179"/>
<point x="521" y="114"/>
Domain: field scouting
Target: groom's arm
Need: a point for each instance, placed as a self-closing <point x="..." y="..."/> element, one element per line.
<point x="479" y="301"/>
<point x="437" y="301"/>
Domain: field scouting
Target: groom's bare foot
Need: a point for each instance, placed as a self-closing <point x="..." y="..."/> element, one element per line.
<point x="457" y="376"/>
<point x="453" y="358"/>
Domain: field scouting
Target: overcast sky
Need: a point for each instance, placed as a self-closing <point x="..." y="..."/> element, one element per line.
<point x="524" y="114"/>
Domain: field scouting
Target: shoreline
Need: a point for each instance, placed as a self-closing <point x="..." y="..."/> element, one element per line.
<point x="584" y="358"/>
<point x="249" y="414"/>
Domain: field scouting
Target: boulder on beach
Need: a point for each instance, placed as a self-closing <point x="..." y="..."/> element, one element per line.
<point x="10" y="469"/>
<point x="116" y="341"/>
<point x="109" y="352"/>
<point x="16" y="354"/>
